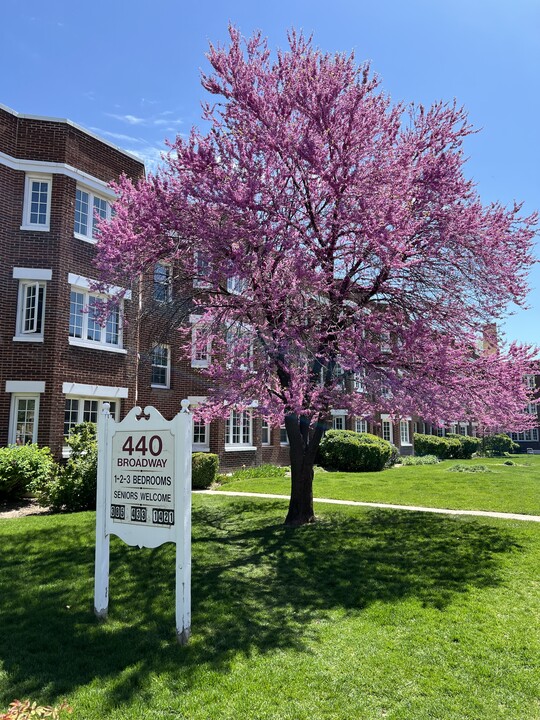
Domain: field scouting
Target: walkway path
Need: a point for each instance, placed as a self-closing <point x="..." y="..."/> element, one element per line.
<point x="441" y="511"/>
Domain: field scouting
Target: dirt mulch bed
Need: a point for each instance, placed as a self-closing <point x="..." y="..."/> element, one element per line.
<point x="22" y="508"/>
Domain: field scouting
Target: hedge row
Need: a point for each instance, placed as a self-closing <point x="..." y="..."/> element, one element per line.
<point x="348" y="451"/>
<point x="72" y="486"/>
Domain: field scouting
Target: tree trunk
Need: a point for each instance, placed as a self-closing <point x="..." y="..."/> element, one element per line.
<point x="303" y="446"/>
<point x="301" y="502"/>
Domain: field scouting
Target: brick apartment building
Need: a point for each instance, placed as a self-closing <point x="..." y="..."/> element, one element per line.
<point x="57" y="365"/>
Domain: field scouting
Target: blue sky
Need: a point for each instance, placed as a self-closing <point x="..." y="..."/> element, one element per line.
<point x="129" y="71"/>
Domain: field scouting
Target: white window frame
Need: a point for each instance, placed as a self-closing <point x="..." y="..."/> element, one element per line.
<point x="30" y="278"/>
<point x="200" y="446"/>
<point x="201" y="270"/>
<point x="404" y="433"/>
<point x="14" y="409"/>
<point x="361" y="425"/>
<point x="243" y="443"/>
<point x="167" y="367"/>
<point x="525" y="436"/>
<point x="198" y="358"/>
<point x="81" y="286"/>
<point x="88" y="236"/>
<point x="81" y="399"/>
<point x="27" y="204"/>
<point x="162" y="285"/>
<point x="236" y="285"/>
<point x="203" y="445"/>
<point x="283" y="437"/>
<point x="266" y="433"/>
<point x="339" y="418"/>
<point x="387" y="422"/>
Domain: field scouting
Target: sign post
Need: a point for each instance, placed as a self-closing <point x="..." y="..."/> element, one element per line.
<point x="144" y="496"/>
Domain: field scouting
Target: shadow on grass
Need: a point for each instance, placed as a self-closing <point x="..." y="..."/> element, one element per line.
<point x="257" y="587"/>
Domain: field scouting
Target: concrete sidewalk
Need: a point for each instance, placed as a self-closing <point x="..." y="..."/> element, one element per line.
<point x="440" y="511"/>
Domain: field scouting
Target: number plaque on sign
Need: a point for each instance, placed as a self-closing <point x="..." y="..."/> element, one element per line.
<point x="144" y="495"/>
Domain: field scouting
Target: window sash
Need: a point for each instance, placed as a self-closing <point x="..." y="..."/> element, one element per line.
<point x="81" y="409"/>
<point x="32" y="308"/>
<point x="404" y="432"/>
<point x="239" y="428"/>
<point x="84" y="325"/>
<point x="162" y="282"/>
<point x="360" y="425"/>
<point x="160" y="366"/>
<point x="265" y="433"/>
<point x="90" y="209"/>
<point x="25" y="419"/>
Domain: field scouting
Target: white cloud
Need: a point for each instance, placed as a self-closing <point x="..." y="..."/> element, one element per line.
<point x="129" y="119"/>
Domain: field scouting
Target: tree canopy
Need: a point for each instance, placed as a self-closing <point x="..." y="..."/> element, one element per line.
<point x="326" y="233"/>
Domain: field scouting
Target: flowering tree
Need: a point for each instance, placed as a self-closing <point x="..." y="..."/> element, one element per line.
<point x="327" y="234"/>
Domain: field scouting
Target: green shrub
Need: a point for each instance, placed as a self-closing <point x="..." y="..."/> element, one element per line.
<point x="73" y="487"/>
<point x="394" y="456"/>
<point x="259" y="471"/>
<point x="204" y="470"/>
<point x="21" y="466"/>
<point x="419" y="460"/>
<point x="468" y="445"/>
<point x="348" y="451"/>
<point x="499" y="444"/>
<point x="469" y="468"/>
<point x="444" y="448"/>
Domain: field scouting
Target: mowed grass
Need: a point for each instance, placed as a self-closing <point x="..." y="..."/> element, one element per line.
<point x="367" y="614"/>
<point x="506" y="488"/>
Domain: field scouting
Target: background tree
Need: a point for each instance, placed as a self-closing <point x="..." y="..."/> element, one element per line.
<point x="330" y="234"/>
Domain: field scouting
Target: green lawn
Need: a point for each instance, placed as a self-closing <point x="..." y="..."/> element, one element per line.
<point x="367" y="614"/>
<point x="507" y="488"/>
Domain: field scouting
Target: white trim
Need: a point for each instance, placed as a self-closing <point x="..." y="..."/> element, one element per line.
<point x="42" y="167"/>
<point x="66" y="121"/>
<point x="20" y="273"/>
<point x="167" y="384"/>
<point x="77" y="342"/>
<point x="30" y="335"/>
<point x="13" y="412"/>
<point x="89" y="391"/>
<point x="25" y="386"/>
<point x="27" y="203"/>
<point x="239" y="448"/>
<point x="85" y="283"/>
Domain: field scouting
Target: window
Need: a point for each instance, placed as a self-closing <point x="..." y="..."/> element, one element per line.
<point x="200" y="350"/>
<point x="24" y="419"/>
<point x="31" y="303"/>
<point x="265" y="433"/>
<point x="85" y="326"/>
<point x="283" y="437"/>
<point x="404" y="436"/>
<point x="359" y="381"/>
<point x="37" y="203"/>
<point x="239" y="346"/>
<point x="338" y="422"/>
<point x="236" y="285"/>
<point x="530" y="382"/>
<point x="200" y="434"/>
<point x="201" y="270"/>
<point x="387" y="431"/>
<point x="360" y="425"/>
<point x="90" y="209"/>
<point x="527" y="436"/>
<point x="239" y="429"/>
<point x="162" y="283"/>
<point x="79" y="409"/>
<point x="161" y="366"/>
<point x="532" y="408"/>
<point x="441" y="431"/>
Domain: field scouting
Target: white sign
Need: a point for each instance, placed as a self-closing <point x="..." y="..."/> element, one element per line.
<point x="144" y="495"/>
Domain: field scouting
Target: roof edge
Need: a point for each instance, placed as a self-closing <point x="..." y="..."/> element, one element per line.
<point x="66" y="121"/>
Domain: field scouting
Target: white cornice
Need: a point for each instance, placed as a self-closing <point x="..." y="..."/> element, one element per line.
<point x="44" y="118"/>
<point x="54" y="168"/>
